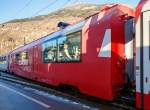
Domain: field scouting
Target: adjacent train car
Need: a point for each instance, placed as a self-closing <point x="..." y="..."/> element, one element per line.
<point x="91" y="55"/>
<point x="4" y="63"/>
<point x="143" y="55"/>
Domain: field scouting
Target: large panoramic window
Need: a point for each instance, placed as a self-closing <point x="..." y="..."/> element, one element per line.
<point x="49" y="51"/>
<point x="69" y="47"/>
<point x="22" y="58"/>
<point x="62" y="49"/>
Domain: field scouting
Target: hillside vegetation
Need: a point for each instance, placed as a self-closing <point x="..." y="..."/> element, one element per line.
<point x="13" y="33"/>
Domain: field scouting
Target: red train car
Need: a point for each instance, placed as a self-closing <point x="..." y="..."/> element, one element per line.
<point x="90" y="55"/>
<point x="143" y="55"/>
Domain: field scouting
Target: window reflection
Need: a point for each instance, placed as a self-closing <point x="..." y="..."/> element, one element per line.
<point x="49" y="51"/>
<point x="22" y="58"/>
<point x="63" y="49"/>
<point x="69" y="47"/>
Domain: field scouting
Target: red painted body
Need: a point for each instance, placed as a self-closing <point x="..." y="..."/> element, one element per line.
<point x="101" y="77"/>
<point x="146" y="101"/>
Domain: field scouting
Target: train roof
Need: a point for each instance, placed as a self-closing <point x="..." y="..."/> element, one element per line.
<point x="146" y="5"/>
<point x="69" y="29"/>
<point x="141" y="7"/>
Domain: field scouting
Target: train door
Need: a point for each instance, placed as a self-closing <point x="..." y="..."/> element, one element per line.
<point x="146" y="57"/>
<point x="35" y="59"/>
<point x="129" y="50"/>
<point x="129" y="88"/>
<point x="143" y="59"/>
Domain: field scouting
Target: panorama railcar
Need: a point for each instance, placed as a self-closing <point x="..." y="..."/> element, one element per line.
<point x="91" y="55"/>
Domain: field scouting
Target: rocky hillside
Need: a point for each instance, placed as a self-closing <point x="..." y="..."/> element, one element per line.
<point x="13" y="33"/>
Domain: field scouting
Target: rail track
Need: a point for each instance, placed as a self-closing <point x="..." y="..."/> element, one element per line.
<point x="123" y="103"/>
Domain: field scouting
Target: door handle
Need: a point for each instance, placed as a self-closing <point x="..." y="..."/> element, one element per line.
<point x="146" y="79"/>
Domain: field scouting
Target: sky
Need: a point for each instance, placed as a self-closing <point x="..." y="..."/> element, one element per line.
<point x="17" y="9"/>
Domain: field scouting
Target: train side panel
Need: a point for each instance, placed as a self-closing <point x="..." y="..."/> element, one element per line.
<point x="22" y="63"/>
<point x="91" y="58"/>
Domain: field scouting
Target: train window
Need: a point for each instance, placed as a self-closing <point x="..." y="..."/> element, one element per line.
<point x="24" y="55"/>
<point x="64" y="49"/>
<point x="49" y="51"/>
<point x="3" y="60"/>
<point x="61" y="42"/>
<point x="17" y="57"/>
<point x="69" y="47"/>
<point x="22" y="58"/>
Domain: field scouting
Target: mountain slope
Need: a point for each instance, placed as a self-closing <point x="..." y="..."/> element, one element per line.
<point x="12" y="33"/>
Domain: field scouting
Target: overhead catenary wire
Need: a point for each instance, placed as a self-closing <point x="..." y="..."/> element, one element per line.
<point x="65" y="3"/>
<point x="45" y="7"/>
<point x="22" y="9"/>
<point x="40" y="10"/>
